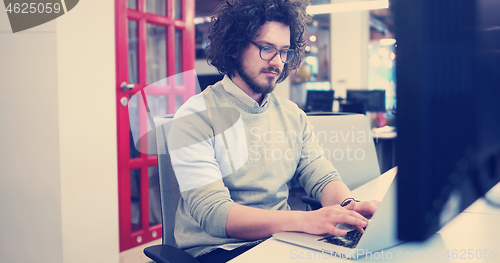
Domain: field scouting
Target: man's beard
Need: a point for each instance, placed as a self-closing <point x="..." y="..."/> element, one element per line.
<point x="254" y="86"/>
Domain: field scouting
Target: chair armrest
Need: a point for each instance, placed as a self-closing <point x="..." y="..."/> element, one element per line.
<point x="168" y="254"/>
<point x="313" y="203"/>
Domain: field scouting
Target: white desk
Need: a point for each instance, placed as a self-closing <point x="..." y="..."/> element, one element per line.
<point x="476" y="230"/>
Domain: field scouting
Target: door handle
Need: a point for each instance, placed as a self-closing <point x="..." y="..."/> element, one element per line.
<point x="124" y="86"/>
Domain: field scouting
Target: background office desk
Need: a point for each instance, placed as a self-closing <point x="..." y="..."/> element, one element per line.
<point x="476" y="230"/>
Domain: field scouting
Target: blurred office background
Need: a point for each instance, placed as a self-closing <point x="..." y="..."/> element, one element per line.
<point x="349" y="62"/>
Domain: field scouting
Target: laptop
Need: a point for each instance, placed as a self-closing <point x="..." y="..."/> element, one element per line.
<point x="380" y="234"/>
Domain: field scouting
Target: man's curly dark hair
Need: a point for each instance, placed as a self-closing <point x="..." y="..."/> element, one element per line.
<point x="237" y="22"/>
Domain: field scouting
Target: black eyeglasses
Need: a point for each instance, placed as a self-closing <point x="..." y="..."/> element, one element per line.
<point x="267" y="53"/>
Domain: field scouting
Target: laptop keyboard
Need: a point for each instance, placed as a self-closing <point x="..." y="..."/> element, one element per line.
<point x="350" y="240"/>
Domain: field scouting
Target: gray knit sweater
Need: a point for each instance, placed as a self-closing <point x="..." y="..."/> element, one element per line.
<point x="235" y="152"/>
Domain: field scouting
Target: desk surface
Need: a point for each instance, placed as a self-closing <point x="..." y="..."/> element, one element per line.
<point x="472" y="234"/>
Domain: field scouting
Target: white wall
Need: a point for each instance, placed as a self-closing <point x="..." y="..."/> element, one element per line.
<point x="30" y="186"/>
<point x="87" y="128"/>
<point x="350" y="36"/>
<point x="58" y="194"/>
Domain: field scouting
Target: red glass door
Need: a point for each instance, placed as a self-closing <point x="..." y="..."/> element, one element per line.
<point x="154" y="40"/>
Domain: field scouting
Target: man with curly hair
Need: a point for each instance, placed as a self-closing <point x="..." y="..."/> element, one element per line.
<point x="234" y="184"/>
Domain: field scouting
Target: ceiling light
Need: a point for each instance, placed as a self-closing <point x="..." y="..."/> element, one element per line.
<point x="387" y="41"/>
<point x="198" y="20"/>
<point x="347" y="7"/>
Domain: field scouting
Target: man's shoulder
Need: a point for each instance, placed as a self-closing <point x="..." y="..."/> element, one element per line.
<point x="284" y="101"/>
<point x="194" y="104"/>
<point x="288" y="106"/>
<point x="201" y="101"/>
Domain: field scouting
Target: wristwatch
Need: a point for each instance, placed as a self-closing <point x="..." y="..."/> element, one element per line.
<point x="348" y="201"/>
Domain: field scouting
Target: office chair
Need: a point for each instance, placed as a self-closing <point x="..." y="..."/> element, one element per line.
<point x="348" y="145"/>
<point x="167" y="252"/>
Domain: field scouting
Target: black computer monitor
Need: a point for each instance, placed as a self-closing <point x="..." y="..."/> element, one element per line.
<point x="448" y="116"/>
<point x="366" y="100"/>
<point x="207" y="80"/>
<point x="319" y="100"/>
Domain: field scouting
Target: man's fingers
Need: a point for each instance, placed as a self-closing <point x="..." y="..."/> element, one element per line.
<point x="330" y="217"/>
<point x="360" y="229"/>
<point x="350" y="206"/>
<point x="341" y="215"/>
<point x="367" y="207"/>
<point x="357" y="222"/>
<point x="370" y="208"/>
<point x="357" y="215"/>
<point x="338" y="232"/>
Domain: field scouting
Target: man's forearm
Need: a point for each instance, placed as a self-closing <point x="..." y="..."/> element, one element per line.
<point x="334" y="193"/>
<point x="246" y="222"/>
<point x="251" y="223"/>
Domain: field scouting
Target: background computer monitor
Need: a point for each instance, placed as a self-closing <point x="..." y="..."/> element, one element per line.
<point x="448" y="116"/>
<point x="207" y="80"/>
<point x="319" y="100"/>
<point x="364" y="100"/>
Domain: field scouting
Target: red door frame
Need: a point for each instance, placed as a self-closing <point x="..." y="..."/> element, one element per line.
<point x="129" y="239"/>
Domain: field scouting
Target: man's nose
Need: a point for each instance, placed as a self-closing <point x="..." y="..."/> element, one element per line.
<point x="276" y="61"/>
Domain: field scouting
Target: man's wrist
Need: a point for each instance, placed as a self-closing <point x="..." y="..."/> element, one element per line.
<point x="295" y="221"/>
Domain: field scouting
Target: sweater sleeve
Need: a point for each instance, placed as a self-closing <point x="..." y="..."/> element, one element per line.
<point x="198" y="172"/>
<point x="314" y="171"/>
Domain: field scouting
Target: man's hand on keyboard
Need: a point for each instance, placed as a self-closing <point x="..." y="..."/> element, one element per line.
<point x="366" y="208"/>
<point x="325" y="220"/>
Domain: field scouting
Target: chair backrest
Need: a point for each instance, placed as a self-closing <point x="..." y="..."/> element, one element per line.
<point x="169" y="188"/>
<point x="348" y="143"/>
